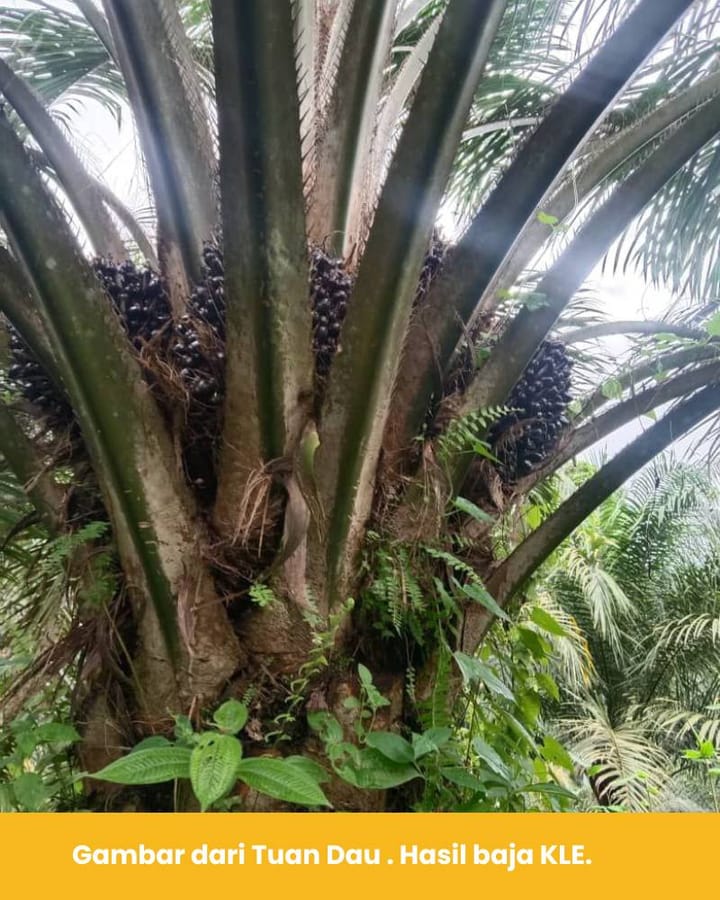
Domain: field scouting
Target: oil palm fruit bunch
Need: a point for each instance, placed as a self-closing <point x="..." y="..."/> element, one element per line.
<point x="30" y="380"/>
<point x="138" y="296"/>
<point x="330" y="286"/>
<point x="526" y="437"/>
<point x="193" y="346"/>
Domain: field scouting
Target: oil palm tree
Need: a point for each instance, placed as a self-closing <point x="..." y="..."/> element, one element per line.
<point x="242" y="441"/>
<point x="636" y="589"/>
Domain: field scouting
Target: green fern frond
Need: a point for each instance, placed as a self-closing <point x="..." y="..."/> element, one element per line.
<point x="433" y="712"/>
<point x="468" y="433"/>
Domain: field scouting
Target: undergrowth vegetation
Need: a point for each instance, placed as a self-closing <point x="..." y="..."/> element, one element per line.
<point x="600" y="692"/>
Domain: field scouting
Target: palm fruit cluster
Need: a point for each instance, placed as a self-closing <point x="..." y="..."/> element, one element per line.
<point x="524" y="438"/>
<point x="29" y="378"/>
<point x="183" y="359"/>
<point x="198" y="355"/>
<point x="139" y="298"/>
<point x="208" y="299"/>
<point x="330" y="287"/>
<point x="193" y="346"/>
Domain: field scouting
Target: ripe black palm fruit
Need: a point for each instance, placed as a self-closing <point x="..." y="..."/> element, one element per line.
<point x="198" y="355"/>
<point x="194" y="345"/>
<point x="208" y="299"/>
<point x="330" y="287"/>
<point x="138" y="296"/>
<point x="524" y="439"/>
<point x="28" y="377"/>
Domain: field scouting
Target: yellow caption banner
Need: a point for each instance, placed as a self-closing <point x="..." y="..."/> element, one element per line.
<point x="369" y="856"/>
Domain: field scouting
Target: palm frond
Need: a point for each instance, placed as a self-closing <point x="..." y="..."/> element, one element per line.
<point x="628" y="767"/>
<point x="61" y="56"/>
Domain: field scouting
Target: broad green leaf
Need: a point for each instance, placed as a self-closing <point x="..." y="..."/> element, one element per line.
<point x="422" y="746"/>
<point x="392" y="746"/>
<point x="473" y="671"/>
<point x="529" y="703"/>
<point x="374" y="699"/>
<point x="554" y="752"/>
<point x="373" y="771"/>
<point x="26" y="741"/>
<point x="213" y="767"/>
<point x="340" y="753"/>
<point x="543" y="618"/>
<point x="535" y="643"/>
<point x="548" y="787"/>
<point x="282" y="780"/>
<point x="326" y="725"/>
<point x="519" y="729"/>
<point x="548" y="684"/>
<point x="231" y="716"/>
<point x="30" y="791"/>
<point x="466" y="664"/>
<point x="480" y="595"/>
<point x="430" y="741"/>
<point x="439" y="736"/>
<point x="56" y="733"/>
<point x="155" y="740"/>
<point x="462" y="778"/>
<point x="533" y="517"/>
<point x="365" y="675"/>
<point x="470" y="509"/>
<point x="151" y="766"/>
<point x="491" y="757"/>
<point x="311" y="768"/>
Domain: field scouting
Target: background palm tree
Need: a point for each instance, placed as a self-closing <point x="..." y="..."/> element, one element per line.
<point x="237" y="455"/>
<point x="637" y="590"/>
